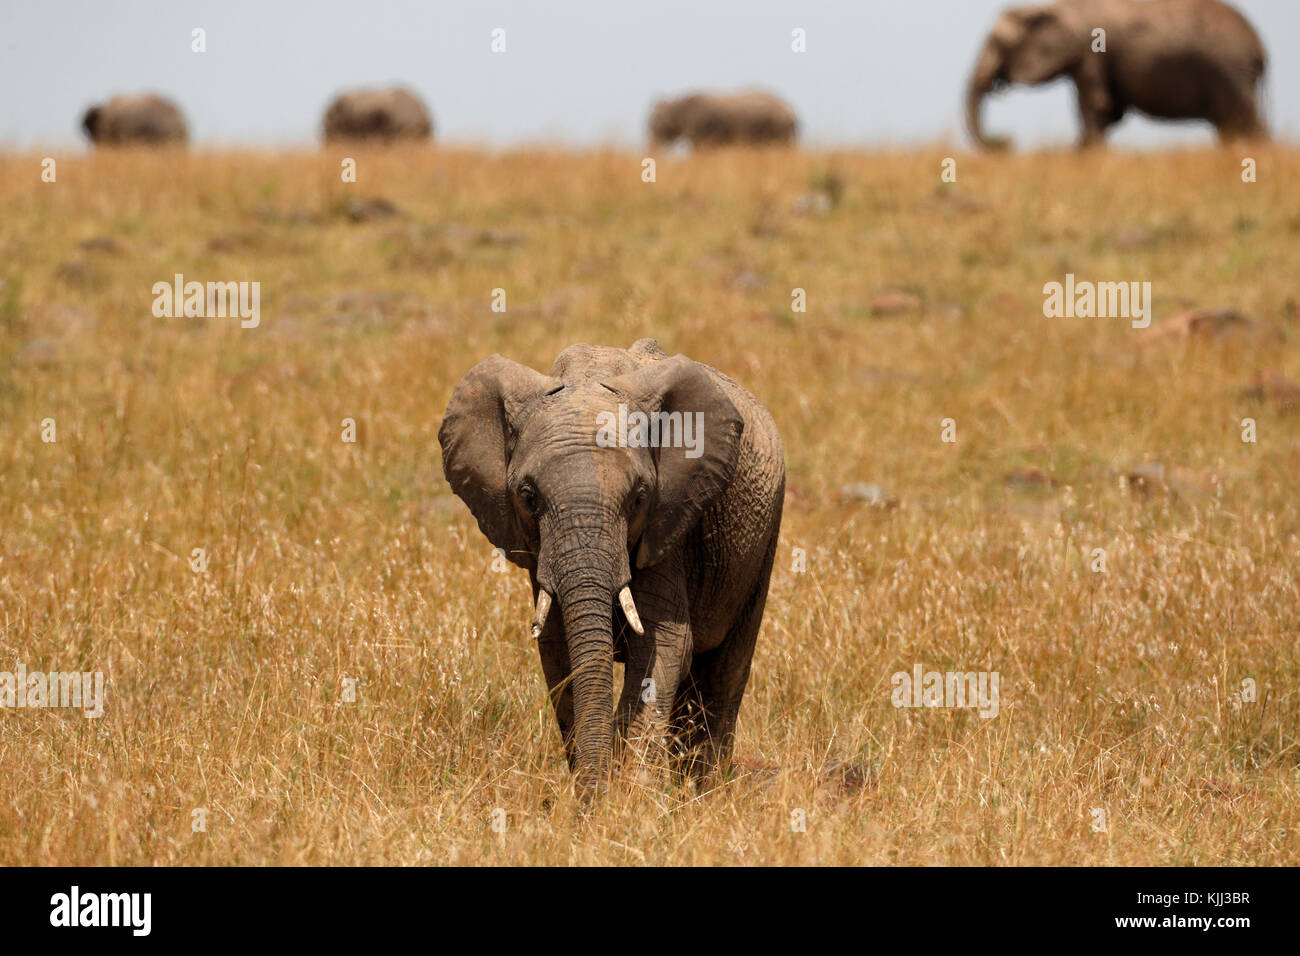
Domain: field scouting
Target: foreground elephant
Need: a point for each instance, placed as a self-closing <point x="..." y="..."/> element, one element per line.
<point x="672" y="526"/>
<point x="706" y="119"/>
<point x="140" y="119"/>
<point x="1171" y="59"/>
<point x="384" y="115"/>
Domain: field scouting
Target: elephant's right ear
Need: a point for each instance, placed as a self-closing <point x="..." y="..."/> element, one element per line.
<point x="477" y="434"/>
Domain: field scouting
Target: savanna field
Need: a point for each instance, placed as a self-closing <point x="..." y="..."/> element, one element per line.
<point x="347" y="569"/>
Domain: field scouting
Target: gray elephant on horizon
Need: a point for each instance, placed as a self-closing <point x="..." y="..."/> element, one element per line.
<point x="378" y="115"/>
<point x="708" y="119"/>
<point x="1169" y="59"/>
<point x="643" y="494"/>
<point x="139" y="119"/>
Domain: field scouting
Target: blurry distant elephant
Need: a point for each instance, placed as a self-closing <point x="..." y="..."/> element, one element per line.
<point x="383" y="115"/>
<point x="1170" y="59"/>
<point x="706" y="119"/>
<point x="143" y="118"/>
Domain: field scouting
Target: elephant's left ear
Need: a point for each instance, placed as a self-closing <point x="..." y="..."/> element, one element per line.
<point x="699" y="445"/>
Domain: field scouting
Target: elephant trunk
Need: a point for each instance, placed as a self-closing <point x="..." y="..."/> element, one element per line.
<point x="586" y="601"/>
<point x="982" y="81"/>
<point x="587" y="570"/>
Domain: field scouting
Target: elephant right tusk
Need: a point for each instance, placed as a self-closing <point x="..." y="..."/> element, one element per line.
<point x="629" y="610"/>
<point x="543" y="608"/>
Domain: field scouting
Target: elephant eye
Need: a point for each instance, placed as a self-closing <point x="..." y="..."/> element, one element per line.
<point x="528" y="497"/>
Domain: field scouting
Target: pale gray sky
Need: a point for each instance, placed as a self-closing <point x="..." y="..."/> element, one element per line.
<point x="576" y="72"/>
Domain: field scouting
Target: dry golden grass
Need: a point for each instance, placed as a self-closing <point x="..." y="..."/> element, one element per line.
<point x="331" y="561"/>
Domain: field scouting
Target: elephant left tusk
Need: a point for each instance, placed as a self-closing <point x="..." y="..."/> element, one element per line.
<point x="543" y="608"/>
<point x="629" y="610"/>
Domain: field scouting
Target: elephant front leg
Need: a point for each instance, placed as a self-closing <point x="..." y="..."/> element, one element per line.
<point x="1097" y="108"/>
<point x="656" y="660"/>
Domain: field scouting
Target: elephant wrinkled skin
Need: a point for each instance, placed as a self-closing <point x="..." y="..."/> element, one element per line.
<point x="655" y="556"/>
<point x="1170" y="59"/>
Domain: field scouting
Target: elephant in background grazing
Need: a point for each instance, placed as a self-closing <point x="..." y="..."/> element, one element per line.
<point x="380" y="115"/>
<point x="648" y="544"/>
<point x="706" y="119"/>
<point x="1170" y="59"/>
<point x="143" y="118"/>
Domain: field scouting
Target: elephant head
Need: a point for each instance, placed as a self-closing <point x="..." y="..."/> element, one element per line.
<point x="90" y="122"/>
<point x="667" y="123"/>
<point x="1027" y="45"/>
<point x="530" y="455"/>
